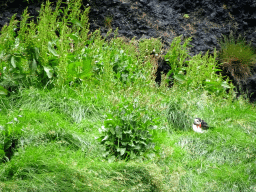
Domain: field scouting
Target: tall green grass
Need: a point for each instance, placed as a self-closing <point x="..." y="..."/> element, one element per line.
<point x="54" y="150"/>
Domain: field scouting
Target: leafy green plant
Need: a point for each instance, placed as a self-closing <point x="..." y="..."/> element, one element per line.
<point x="196" y="72"/>
<point x="40" y="53"/>
<point x="237" y="57"/>
<point x="79" y="67"/>
<point x="124" y="67"/>
<point x="150" y="46"/>
<point x="186" y="16"/>
<point x="201" y="72"/>
<point x="126" y="133"/>
<point x="10" y="135"/>
<point x="177" y="57"/>
<point x="113" y="61"/>
<point x="3" y="91"/>
<point x="12" y="72"/>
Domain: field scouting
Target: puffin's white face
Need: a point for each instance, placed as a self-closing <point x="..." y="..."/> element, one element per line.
<point x="197" y="121"/>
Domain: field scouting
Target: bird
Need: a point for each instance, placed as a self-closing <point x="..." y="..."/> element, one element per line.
<point x="200" y="125"/>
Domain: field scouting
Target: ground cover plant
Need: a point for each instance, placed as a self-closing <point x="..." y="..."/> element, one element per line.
<point x="90" y="117"/>
<point x="126" y="133"/>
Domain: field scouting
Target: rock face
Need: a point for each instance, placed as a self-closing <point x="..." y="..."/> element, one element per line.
<point x="250" y="87"/>
<point x="203" y="20"/>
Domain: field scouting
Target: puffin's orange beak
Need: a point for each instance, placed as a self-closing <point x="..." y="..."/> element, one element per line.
<point x="200" y="125"/>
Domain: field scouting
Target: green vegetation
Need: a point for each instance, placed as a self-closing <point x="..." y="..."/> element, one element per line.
<point x="126" y="132"/>
<point x="237" y="57"/>
<point x="186" y="16"/>
<point x="40" y="54"/>
<point x="107" y="22"/>
<point x="80" y="113"/>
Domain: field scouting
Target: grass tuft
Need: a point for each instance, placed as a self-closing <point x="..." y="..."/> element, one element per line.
<point x="237" y="57"/>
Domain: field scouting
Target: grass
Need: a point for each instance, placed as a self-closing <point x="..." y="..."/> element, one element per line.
<point x="237" y="57"/>
<point x="48" y="134"/>
<point x="59" y="152"/>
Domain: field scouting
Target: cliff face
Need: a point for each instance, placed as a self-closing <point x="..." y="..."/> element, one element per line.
<point x="203" y="20"/>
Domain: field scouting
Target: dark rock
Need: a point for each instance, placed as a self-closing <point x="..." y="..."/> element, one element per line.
<point x="144" y="2"/>
<point x="249" y="86"/>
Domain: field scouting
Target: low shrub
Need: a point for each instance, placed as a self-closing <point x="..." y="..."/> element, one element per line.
<point x="126" y="133"/>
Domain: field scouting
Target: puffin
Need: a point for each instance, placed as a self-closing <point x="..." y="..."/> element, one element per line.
<point x="200" y="125"/>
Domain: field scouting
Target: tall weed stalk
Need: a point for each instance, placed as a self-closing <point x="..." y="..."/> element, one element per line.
<point x="42" y="50"/>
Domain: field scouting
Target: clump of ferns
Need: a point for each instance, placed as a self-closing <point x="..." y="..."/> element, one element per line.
<point x="237" y="57"/>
